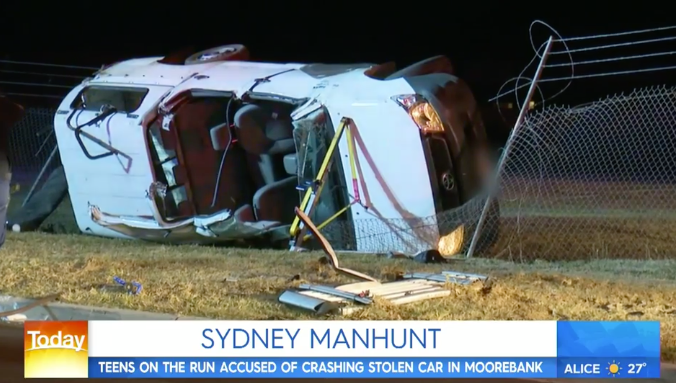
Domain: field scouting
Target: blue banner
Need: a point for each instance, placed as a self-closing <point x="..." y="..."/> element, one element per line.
<point x="372" y="367"/>
<point x="608" y="368"/>
<point x="608" y="339"/>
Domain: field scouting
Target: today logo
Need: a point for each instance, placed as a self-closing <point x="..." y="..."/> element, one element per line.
<point x="40" y="341"/>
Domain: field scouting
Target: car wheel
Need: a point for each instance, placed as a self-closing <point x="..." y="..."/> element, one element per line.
<point x="230" y="52"/>
<point x="456" y="239"/>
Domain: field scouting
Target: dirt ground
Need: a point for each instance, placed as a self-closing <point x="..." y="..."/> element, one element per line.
<point x="611" y="256"/>
<point x="230" y="283"/>
<point x="577" y="220"/>
<point x="590" y="193"/>
<point x="550" y="238"/>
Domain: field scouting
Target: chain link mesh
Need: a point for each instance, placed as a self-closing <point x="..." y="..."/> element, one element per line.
<point x="593" y="181"/>
<point x="31" y="142"/>
<point x="587" y="182"/>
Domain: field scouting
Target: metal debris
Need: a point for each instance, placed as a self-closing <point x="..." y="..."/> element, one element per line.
<point x="449" y="277"/>
<point x="17" y="313"/>
<point x="133" y="287"/>
<point x="412" y="287"/>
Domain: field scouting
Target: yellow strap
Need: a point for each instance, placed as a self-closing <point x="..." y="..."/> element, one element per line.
<point x="320" y="174"/>
<point x="355" y="185"/>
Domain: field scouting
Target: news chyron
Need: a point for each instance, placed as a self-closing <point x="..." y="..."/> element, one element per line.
<point x="56" y="349"/>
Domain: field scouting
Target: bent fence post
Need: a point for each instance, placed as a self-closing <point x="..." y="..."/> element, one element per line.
<point x="46" y="166"/>
<point x="508" y="145"/>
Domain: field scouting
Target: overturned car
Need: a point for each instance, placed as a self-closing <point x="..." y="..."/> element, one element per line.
<point x="214" y="148"/>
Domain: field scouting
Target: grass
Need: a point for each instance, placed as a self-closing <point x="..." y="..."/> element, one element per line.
<point x="578" y="220"/>
<point x="620" y="221"/>
<point x="61" y="221"/>
<point x="230" y="283"/>
<point x="583" y="238"/>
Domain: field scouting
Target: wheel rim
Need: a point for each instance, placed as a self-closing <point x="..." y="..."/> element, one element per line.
<point x="215" y="53"/>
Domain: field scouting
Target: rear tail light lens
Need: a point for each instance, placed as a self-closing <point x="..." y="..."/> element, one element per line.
<point x="421" y="111"/>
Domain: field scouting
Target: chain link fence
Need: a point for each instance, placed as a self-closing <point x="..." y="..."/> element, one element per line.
<point x="593" y="181"/>
<point x="32" y="141"/>
<point x="596" y="181"/>
<point x="588" y="182"/>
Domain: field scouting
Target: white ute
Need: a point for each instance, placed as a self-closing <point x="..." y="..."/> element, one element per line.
<point x="214" y="148"/>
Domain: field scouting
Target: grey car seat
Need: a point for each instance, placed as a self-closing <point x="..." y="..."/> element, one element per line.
<point x="267" y="139"/>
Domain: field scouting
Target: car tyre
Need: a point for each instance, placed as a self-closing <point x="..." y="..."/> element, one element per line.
<point x="230" y="52"/>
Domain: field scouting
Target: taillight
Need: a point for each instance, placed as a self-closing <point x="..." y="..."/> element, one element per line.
<point x="421" y="111"/>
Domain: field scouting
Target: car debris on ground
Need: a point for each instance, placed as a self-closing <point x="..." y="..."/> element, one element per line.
<point x="346" y="299"/>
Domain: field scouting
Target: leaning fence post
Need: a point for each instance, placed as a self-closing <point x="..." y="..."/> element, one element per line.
<point x="508" y="145"/>
<point x="51" y="157"/>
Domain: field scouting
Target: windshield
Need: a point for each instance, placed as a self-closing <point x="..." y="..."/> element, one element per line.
<point x="312" y="136"/>
<point x="164" y="161"/>
<point x="123" y="99"/>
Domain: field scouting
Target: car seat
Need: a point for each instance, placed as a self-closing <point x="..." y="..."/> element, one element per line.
<point x="267" y="138"/>
<point x="194" y="122"/>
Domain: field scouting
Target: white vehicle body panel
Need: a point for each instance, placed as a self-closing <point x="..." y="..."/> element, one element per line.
<point x="147" y="71"/>
<point x="394" y="180"/>
<point x="113" y="183"/>
<point x="238" y="77"/>
<point x="391" y="158"/>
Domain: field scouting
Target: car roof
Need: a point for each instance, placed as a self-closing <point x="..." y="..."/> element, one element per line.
<point x="291" y="80"/>
<point x="149" y="71"/>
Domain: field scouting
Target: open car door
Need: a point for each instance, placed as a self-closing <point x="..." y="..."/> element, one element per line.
<point x="198" y="176"/>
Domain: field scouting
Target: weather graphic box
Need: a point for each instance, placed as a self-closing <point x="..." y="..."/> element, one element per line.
<point x="56" y="349"/>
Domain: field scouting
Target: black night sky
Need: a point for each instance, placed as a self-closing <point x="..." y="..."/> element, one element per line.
<point x="488" y="44"/>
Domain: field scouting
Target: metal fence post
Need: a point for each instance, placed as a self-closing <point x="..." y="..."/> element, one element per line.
<point x="501" y="163"/>
<point x="44" y="168"/>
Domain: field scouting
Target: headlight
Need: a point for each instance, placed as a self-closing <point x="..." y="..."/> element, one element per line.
<point x="422" y="113"/>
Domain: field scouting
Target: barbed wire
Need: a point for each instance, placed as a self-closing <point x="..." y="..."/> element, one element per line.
<point x="49" y="65"/>
<point x="568" y="128"/>
<point x="587" y="62"/>
<point x="659" y="29"/>
<point x="617" y="45"/>
<point x="19" y="79"/>
<point x="33" y="95"/>
<point x="20" y="83"/>
<point x="521" y="75"/>
<point x="42" y="74"/>
<point x="616" y="73"/>
<point x="518" y="81"/>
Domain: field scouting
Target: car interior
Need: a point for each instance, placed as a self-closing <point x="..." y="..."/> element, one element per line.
<point x="265" y="133"/>
<point x="219" y="153"/>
